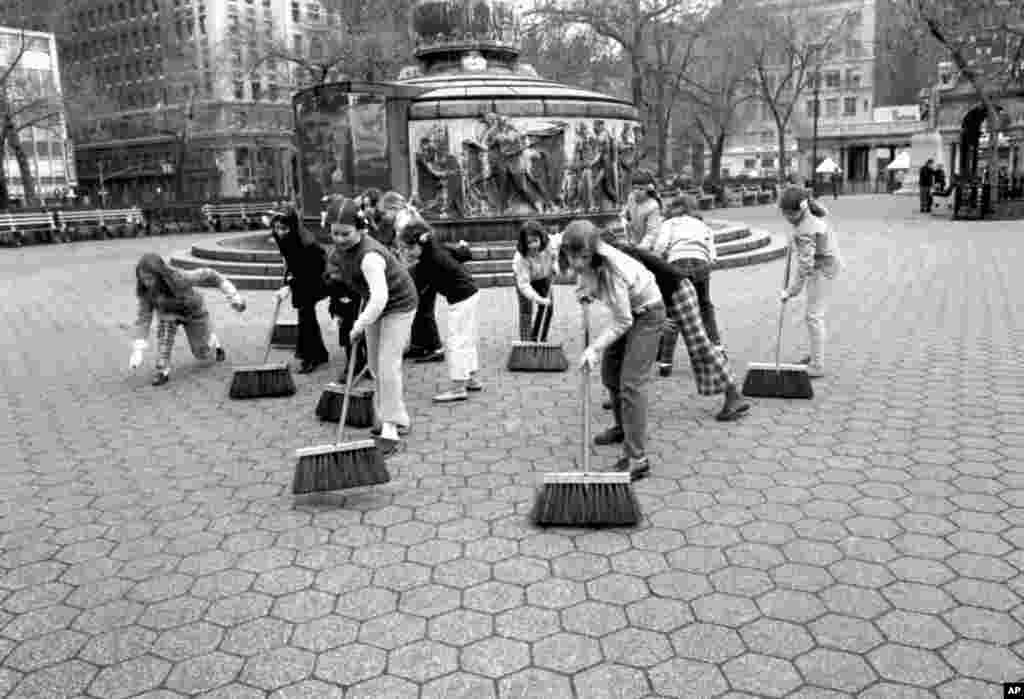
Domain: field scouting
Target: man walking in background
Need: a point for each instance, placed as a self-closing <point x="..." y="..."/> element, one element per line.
<point x="925" y="181"/>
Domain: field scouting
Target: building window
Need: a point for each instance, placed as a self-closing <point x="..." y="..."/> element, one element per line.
<point x="257" y="92"/>
<point x="297" y="44"/>
<point x="750" y="163"/>
<point x="853" y="79"/>
<point x="313" y="12"/>
<point x="832" y="79"/>
<point x="767" y="136"/>
<point x="809" y="106"/>
<point x="239" y="90"/>
<point x="832" y="107"/>
<point x="296" y="12"/>
<point x="850" y="106"/>
<point x="854" y="48"/>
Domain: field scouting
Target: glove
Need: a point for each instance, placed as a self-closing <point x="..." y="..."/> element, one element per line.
<point x="282" y="293"/>
<point x="334" y="307"/>
<point x="136" y="359"/>
<point x="238" y="303"/>
<point x="582" y="297"/>
<point x="588" y="359"/>
<point x="784" y="296"/>
<point x="355" y="333"/>
<point x="543" y="301"/>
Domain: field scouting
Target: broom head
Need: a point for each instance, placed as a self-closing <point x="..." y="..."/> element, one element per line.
<point x="262" y="381"/>
<point x="537" y="356"/>
<point x="360" y="405"/>
<point x="586" y="499"/>
<point x="768" y="380"/>
<point x="284" y="335"/>
<point x="339" y="467"/>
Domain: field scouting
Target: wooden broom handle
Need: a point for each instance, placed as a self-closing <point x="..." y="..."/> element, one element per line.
<point x="585" y="390"/>
<point x="350" y="371"/>
<point x="782" y="310"/>
<point x="270" y="333"/>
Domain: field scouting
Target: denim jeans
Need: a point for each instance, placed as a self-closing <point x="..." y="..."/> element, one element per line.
<point x="819" y="289"/>
<point x="530" y="327"/>
<point x="626" y="371"/>
<point x="309" y="346"/>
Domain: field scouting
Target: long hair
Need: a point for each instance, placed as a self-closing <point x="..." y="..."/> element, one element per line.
<point x="531" y="228"/>
<point x="169" y="282"/>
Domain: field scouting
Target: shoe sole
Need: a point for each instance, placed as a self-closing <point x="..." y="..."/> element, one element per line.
<point x="733" y="414"/>
<point x="442" y="401"/>
<point x="402" y="431"/>
<point x="609" y="442"/>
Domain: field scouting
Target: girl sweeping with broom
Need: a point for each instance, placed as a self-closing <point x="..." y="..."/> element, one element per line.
<point x="627" y="348"/>
<point x="362" y="264"/>
<point x="171" y="294"/>
<point x="533" y="265"/>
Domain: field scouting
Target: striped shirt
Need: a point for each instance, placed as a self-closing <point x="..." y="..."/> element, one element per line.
<point x="185" y="307"/>
<point x="685" y="238"/>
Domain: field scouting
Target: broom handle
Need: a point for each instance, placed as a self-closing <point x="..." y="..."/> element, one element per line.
<point x="585" y="390"/>
<point x="545" y="315"/>
<point x="270" y="333"/>
<point x="782" y="311"/>
<point x="350" y="370"/>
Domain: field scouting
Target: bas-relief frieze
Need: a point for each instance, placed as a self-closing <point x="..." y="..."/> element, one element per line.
<point x="496" y="165"/>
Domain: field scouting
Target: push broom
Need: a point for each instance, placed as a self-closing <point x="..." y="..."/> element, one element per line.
<point x="778" y="380"/>
<point x="360" y="409"/>
<point x="284" y="335"/>
<point x="263" y="380"/>
<point x="538" y="356"/>
<point x="586" y="498"/>
<point x="340" y="465"/>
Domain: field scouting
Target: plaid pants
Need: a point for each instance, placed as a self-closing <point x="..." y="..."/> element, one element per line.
<point x="197" y="330"/>
<point x="711" y="369"/>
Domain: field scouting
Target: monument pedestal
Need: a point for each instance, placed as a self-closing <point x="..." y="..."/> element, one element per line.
<point x="924" y="145"/>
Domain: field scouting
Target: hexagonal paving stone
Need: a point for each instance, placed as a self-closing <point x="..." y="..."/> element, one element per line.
<point x="459" y="685"/>
<point x="697" y="559"/>
<point x="495" y="657"/>
<point x="527" y="623"/>
<point x="342" y="579"/>
<point x="493" y="597"/>
<point x="727" y="610"/>
<point x="531" y="683"/>
<point x="401" y="576"/>
<point x="284" y="580"/>
<point x="985" y="625"/>
<point x="239" y="608"/>
<point x="687" y="678"/>
<point x="423" y="661"/>
<point x="187" y="641"/>
<point x="521" y="570"/>
<point x="762" y="674"/>
<point x="680" y="585"/>
<point x="981" y="593"/>
<point x="984" y="661"/>
<point x="636" y="647"/>
<point x="593" y="618"/>
<point x="836" y="670"/>
<point x="913" y="629"/>
<point x="790" y="605"/>
<point x="555" y="594"/>
<point x="256" y="636"/>
<point x="278" y="667"/>
<point x="222" y="584"/>
<point x="918" y="598"/>
<point x="350" y="664"/>
<point x="778" y="638"/>
<point x="659" y="614"/>
<point x="707" y="642"/>
<point x="46" y="650"/>
<point x="384" y="686"/>
<point x="117" y="645"/>
<point x="62" y="680"/>
<point x="639" y="563"/>
<point x="392" y="630"/>
<point x="325" y="633"/>
<point x="611" y="681"/>
<point x="173" y="612"/>
<point x="434" y="551"/>
<point x="460" y="627"/>
<point x="203" y="673"/>
<point x="854" y="601"/>
<point x="567" y="653"/>
<point x="306" y="605"/>
<point x="909" y="665"/>
<point x="462" y="573"/>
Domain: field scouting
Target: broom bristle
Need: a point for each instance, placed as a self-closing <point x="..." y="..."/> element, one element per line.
<point x="263" y="381"/>
<point x="339" y="467"/>
<point x="284" y="335"/>
<point x="764" y="380"/>
<point x="586" y="499"/>
<point x="537" y="356"/>
<point x="360" y="406"/>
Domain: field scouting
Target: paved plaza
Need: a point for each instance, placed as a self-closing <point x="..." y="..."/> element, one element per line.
<point x="868" y="543"/>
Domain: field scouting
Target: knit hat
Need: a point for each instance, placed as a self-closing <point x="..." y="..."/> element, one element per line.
<point x="344" y="211"/>
<point x="643" y="178"/>
<point x="793" y="199"/>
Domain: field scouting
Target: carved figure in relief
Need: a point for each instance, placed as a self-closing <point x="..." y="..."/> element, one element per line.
<point x="585" y="157"/>
<point x="606" y="170"/>
<point x="628" y="157"/>
<point x="439" y="175"/>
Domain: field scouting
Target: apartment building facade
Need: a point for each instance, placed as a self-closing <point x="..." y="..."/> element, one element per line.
<point x="866" y="110"/>
<point x="33" y="95"/>
<point x="198" y="110"/>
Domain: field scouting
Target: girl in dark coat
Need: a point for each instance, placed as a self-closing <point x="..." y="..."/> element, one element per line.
<point x="305" y="262"/>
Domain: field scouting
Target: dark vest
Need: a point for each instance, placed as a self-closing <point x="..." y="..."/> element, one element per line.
<point x="345" y="267"/>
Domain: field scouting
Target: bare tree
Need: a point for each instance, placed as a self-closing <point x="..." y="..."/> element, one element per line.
<point x="984" y="39"/>
<point x="579" y="57"/>
<point x="788" y="50"/>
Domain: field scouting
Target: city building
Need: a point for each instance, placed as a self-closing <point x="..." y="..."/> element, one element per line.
<point x="196" y="113"/>
<point x="33" y="100"/>
<point x="863" y="96"/>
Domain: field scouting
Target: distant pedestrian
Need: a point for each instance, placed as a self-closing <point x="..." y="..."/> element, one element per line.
<point x="171" y="295"/>
<point x="817" y="264"/>
<point x="925" y="182"/>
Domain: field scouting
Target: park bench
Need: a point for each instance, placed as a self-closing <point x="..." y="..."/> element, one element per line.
<point x="99" y="224"/>
<point x="749" y="196"/>
<point x="236" y="215"/>
<point x="19" y="228"/>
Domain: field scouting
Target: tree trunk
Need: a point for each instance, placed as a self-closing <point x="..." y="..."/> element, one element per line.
<point x="717" y="150"/>
<point x="27" y="182"/>
<point x="783" y="159"/>
<point x="4" y="193"/>
<point x="663" y="114"/>
<point x="993" y="154"/>
<point x="637" y="80"/>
